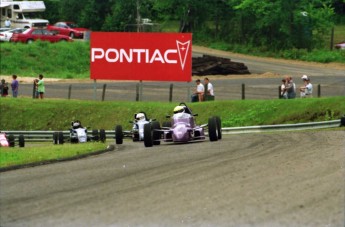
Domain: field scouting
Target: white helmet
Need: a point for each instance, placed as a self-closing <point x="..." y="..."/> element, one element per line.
<point x="140" y="116"/>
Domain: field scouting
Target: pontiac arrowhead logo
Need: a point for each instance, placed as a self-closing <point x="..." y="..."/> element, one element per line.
<point x="182" y="49"/>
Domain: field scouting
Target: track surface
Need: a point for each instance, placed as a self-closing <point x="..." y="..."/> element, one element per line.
<point x="281" y="179"/>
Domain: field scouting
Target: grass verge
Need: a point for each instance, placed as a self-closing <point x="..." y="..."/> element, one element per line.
<point x="45" y="153"/>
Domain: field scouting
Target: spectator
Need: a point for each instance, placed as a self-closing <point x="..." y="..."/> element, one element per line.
<point x="40" y="86"/>
<point x="4" y="88"/>
<point x="36" y="94"/>
<point x="283" y="93"/>
<point x="209" y="92"/>
<point x="290" y="88"/>
<point x="198" y="94"/>
<point x="7" y="23"/>
<point x="14" y="86"/>
<point x="306" y="90"/>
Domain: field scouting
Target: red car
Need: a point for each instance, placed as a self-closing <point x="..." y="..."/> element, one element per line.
<point x="68" y="28"/>
<point x="34" y="34"/>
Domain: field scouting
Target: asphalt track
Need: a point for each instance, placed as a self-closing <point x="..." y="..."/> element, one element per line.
<point x="280" y="179"/>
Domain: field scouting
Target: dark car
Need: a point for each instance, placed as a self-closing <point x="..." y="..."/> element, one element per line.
<point x="34" y="34"/>
<point x="67" y="28"/>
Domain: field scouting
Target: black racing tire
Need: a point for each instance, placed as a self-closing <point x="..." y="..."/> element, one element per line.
<point x="61" y="139"/>
<point x="21" y="140"/>
<point x="11" y="142"/>
<point x="118" y="134"/>
<point x="212" y="129"/>
<point x="95" y="135"/>
<point x="148" y="141"/>
<point x="102" y="136"/>
<point x="219" y="127"/>
<point x="156" y="135"/>
<point x="166" y="124"/>
<point x="55" y="137"/>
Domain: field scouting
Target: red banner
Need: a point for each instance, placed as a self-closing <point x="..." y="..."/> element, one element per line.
<point x="141" y="56"/>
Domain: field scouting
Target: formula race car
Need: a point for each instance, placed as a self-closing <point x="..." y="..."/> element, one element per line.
<point x="78" y="134"/>
<point x="137" y="132"/>
<point x="10" y="141"/>
<point x="182" y="128"/>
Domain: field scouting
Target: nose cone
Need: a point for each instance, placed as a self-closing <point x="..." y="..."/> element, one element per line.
<point x="180" y="133"/>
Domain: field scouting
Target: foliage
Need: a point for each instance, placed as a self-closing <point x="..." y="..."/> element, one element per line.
<point x="277" y="24"/>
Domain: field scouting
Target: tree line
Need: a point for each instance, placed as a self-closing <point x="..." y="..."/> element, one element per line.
<point x="277" y="24"/>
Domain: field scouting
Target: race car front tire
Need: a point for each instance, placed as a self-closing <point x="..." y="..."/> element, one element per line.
<point x="156" y="134"/>
<point x="21" y="140"/>
<point x="212" y="129"/>
<point x="148" y="141"/>
<point x="118" y="134"/>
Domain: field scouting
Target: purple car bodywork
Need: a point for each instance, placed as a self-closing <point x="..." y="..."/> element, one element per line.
<point x="183" y="130"/>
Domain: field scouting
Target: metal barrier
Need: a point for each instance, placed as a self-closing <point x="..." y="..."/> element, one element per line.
<point x="46" y="136"/>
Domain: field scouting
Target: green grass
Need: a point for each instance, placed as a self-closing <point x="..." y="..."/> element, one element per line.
<point x="20" y="156"/>
<point x="58" y="60"/>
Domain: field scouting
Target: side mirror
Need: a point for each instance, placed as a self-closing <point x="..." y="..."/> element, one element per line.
<point x="195" y="115"/>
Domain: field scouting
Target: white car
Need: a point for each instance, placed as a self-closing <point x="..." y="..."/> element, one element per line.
<point x="5" y="36"/>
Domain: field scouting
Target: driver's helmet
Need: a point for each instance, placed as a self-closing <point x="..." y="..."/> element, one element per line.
<point x="76" y="124"/>
<point x="140" y="116"/>
<point x="179" y="109"/>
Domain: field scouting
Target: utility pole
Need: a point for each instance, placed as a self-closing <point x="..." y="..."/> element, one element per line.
<point x="138" y="16"/>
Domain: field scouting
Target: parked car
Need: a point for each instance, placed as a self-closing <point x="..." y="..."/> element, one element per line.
<point x="68" y="28"/>
<point x="5" y="36"/>
<point x="33" y="34"/>
<point x="340" y="46"/>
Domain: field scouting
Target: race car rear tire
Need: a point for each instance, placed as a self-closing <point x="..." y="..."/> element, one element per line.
<point x="61" y="139"/>
<point x="118" y="134"/>
<point x="219" y="127"/>
<point x="11" y="142"/>
<point x="95" y="135"/>
<point x="21" y="140"/>
<point x="156" y="134"/>
<point x="102" y="135"/>
<point x="212" y="129"/>
<point x="55" y="137"/>
<point x="148" y="141"/>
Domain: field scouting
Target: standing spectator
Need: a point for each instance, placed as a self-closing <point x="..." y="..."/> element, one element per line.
<point x="198" y="94"/>
<point x="209" y="92"/>
<point x="4" y="88"/>
<point x="36" y="94"/>
<point x="290" y="88"/>
<point x="14" y="86"/>
<point x="306" y="90"/>
<point x="40" y="86"/>
<point x="7" y="23"/>
<point x="283" y="93"/>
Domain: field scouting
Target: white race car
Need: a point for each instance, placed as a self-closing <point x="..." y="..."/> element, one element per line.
<point x="137" y="132"/>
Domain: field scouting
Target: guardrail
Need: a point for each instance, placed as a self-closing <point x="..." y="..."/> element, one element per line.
<point x="46" y="136"/>
<point x="282" y="127"/>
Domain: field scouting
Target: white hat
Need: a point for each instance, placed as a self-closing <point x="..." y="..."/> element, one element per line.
<point x="304" y="77"/>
